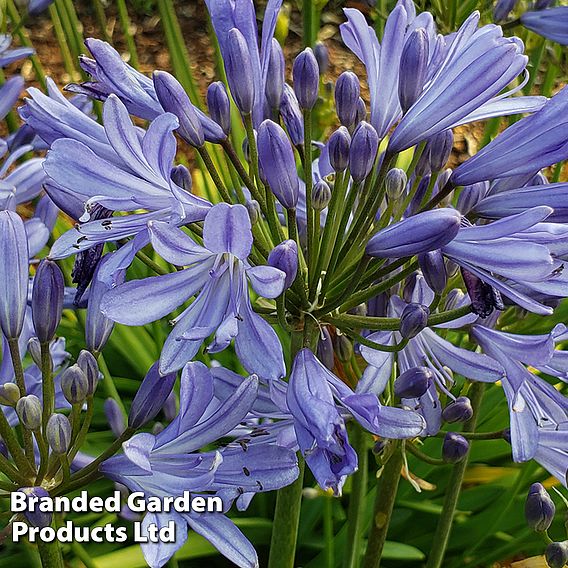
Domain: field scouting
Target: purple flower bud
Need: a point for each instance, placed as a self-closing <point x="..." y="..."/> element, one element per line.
<point x="74" y="384"/>
<point x="181" y="176"/>
<point x="170" y="407"/>
<point x="338" y="149"/>
<point x="471" y="195"/>
<point x="420" y="233"/>
<point x="363" y="151"/>
<point x="276" y="158"/>
<point x="556" y="554"/>
<point x="253" y="209"/>
<point x="238" y="67"/>
<point x="542" y="4"/>
<point x="343" y="348"/>
<point x="174" y="99"/>
<point x="413" y="320"/>
<point x="88" y="364"/>
<point x="347" y="91"/>
<point x="413" y="383"/>
<point x="502" y="9"/>
<point x="434" y="270"/>
<point x="276" y="75"/>
<point x="454" y="448"/>
<point x="325" y="349"/>
<point x="114" y="416"/>
<point x="292" y="116"/>
<point x="322" y="57"/>
<point x="150" y="397"/>
<point x="285" y="257"/>
<point x="28" y="409"/>
<point x="305" y="73"/>
<point x="34" y="350"/>
<point x="361" y="111"/>
<point x="37" y="518"/>
<point x="9" y="394"/>
<point x="219" y="106"/>
<point x="13" y="274"/>
<point x="459" y="410"/>
<point x="539" y="508"/>
<point x="395" y="183"/>
<point x="58" y="433"/>
<point x="439" y="149"/>
<point x="321" y="195"/>
<point x="413" y="68"/>
<point x="484" y="298"/>
<point x="47" y="299"/>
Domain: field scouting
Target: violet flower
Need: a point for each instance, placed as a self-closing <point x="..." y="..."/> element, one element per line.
<point x="551" y="23"/>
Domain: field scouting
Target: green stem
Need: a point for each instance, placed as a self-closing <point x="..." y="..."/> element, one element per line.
<point x="214" y="174"/>
<point x="387" y="487"/>
<point x="328" y="531"/>
<point x="48" y="386"/>
<point x="453" y="489"/>
<point x="50" y="554"/>
<point x="308" y="13"/>
<point x="126" y="25"/>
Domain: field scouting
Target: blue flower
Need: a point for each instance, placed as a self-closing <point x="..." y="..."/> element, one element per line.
<point x="219" y="272"/>
<point x="551" y="23"/>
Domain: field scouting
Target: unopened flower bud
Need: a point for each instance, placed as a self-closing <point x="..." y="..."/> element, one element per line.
<point x="454" y="448"/>
<point x="14" y="283"/>
<point x="170" y="407"/>
<point x="285" y="257"/>
<point x="74" y="384"/>
<point x="292" y="115"/>
<point x="253" y="209"/>
<point x="413" y="383"/>
<point x="28" y="409"/>
<point x="182" y="177"/>
<point x="321" y="195"/>
<point x="459" y="410"/>
<point x="36" y="518"/>
<point x="361" y="111"/>
<point x="9" y="394"/>
<point x="114" y="416"/>
<point x="238" y="67"/>
<point x="556" y="554"/>
<point x="325" y="349"/>
<point x="471" y="195"/>
<point x="434" y="270"/>
<point x="34" y="349"/>
<point x="219" y="105"/>
<point x="174" y="99"/>
<point x="413" y="68"/>
<point x="47" y="299"/>
<point x="413" y="320"/>
<point x="276" y="158"/>
<point x="276" y="75"/>
<point x="322" y="57"/>
<point x="150" y="397"/>
<point x="439" y="149"/>
<point x="305" y="73"/>
<point x="88" y="364"/>
<point x="58" y="433"/>
<point x="395" y="183"/>
<point x="343" y="348"/>
<point x="539" y="508"/>
<point x="347" y="91"/>
<point x="502" y="9"/>
<point x="338" y="149"/>
<point x="363" y="151"/>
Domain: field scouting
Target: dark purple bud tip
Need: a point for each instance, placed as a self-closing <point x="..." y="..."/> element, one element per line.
<point x="347" y="91"/>
<point x="37" y="518"/>
<point x="343" y="348"/>
<point x="454" y="448"/>
<point x="285" y="257"/>
<point x="47" y="299"/>
<point x="413" y="320"/>
<point x="434" y="270"/>
<point x="395" y="183"/>
<point x="151" y="396"/>
<point x="219" y="105"/>
<point x="539" y="508"/>
<point x="174" y="99"/>
<point x="114" y="416"/>
<point x="74" y="384"/>
<point x="413" y="383"/>
<point x="484" y="298"/>
<point x="363" y="151"/>
<point x="58" y="433"/>
<point x="556" y="554"/>
<point x="182" y="177"/>
<point x="338" y="149"/>
<point x="305" y="74"/>
<point x="321" y="195"/>
<point x="9" y="394"/>
<point x="88" y="364"/>
<point x="28" y="409"/>
<point x="322" y="57"/>
<point x="238" y="67"/>
<point x="460" y="410"/>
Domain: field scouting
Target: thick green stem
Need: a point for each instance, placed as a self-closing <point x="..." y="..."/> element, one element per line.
<point x="48" y="387"/>
<point x="453" y="489"/>
<point x="387" y="487"/>
<point x="50" y="554"/>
